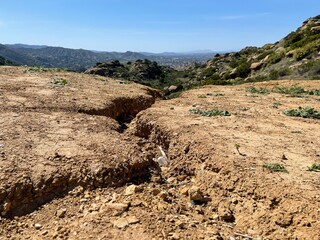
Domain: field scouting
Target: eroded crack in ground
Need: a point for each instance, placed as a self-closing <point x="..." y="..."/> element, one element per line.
<point x="27" y="192"/>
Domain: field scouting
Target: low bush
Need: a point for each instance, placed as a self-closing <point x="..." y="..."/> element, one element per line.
<point x="257" y="90"/>
<point x="210" y="113"/>
<point x="307" y="112"/>
<point x="275" y="167"/>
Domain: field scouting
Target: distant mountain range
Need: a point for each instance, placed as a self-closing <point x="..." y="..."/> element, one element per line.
<point x="80" y="59"/>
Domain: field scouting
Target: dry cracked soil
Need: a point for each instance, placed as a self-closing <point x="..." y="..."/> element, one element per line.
<point x="79" y="159"/>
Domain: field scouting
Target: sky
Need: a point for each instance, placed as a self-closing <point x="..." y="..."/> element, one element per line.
<point x="152" y="25"/>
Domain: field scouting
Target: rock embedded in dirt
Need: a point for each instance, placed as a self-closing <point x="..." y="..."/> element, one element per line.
<point x="61" y="213"/>
<point x="116" y="208"/>
<point x="124" y="222"/>
<point x="195" y="194"/>
<point x="132" y="219"/>
<point x="37" y="226"/>
<point x="132" y="189"/>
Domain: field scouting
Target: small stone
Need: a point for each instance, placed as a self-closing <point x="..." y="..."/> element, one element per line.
<point x="61" y="213"/>
<point x="175" y="236"/>
<point x="171" y="180"/>
<point x="38" y="226"/>
<point x="124" y="222"/>
<point x="121" y="223"/>
<point x="184" y="191"/>
<point x="132" y="189"/>
<point x="181" y="224"/>
<point x="132" y="220"/>
<point x="116" y="208"/>
<point x="45" y="232"/>
<point x="163" y="195"/>
<point x="155" y="191"/>
<point x="94" y="207"/>
<point x="195" y="194"/>
<point x="234" y="200"/>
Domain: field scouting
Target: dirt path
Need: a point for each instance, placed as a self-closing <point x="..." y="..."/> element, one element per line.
<point x="78" y="161"/>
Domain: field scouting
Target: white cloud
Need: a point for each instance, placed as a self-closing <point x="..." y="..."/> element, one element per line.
<point x="246" y="16"/>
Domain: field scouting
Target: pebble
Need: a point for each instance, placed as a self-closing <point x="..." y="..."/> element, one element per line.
<point x="61" y="213"/>
<point x="117" y="208"/>
<point x="155" y="191"/>
<point x="124" y="222"/>
<point x="195" y="194"/>
<point x="132" y="189"/>
<point x="184" y="191"/>
<point x="132" y="220"/>
<point x="38" y="226"/>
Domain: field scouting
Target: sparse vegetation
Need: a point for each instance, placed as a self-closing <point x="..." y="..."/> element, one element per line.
<point x="210" y="113"/>
<point x="315" y="167"/>
<point x="59" y="81"/>
<point x="293" y="91"/>
<point x="255" y="90"/>
<point x="42" y="69"/>
<point x="215" y="94"/>
<point x="276" y="104"/>
<point x="275" y="167"/>
<point x="307" y="112"/>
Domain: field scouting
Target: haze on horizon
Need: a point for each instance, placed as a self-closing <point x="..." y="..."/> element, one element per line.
<point x="151" y="26"/>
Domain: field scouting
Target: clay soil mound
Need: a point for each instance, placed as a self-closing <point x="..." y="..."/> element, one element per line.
<point x="78" y="160"/>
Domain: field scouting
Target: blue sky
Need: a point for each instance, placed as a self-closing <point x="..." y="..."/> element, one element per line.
<point x="152" y="25"/>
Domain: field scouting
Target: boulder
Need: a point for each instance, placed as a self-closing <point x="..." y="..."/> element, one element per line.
<point x="256" y="66"/>
<point x="290" y="54"/>
<point x="316" y="29"/>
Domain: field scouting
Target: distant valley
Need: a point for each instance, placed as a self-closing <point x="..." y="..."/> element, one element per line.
<point x="80" y="59"/>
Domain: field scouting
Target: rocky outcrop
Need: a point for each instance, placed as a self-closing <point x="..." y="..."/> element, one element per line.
<point x="256" y="66"/>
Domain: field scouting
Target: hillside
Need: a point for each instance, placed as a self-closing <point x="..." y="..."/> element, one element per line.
<point x="89" y="157"/>
<point x="4" y="61"/>
<point x="79" y="59"/>
<point x="297" y="56"/>
<point x="145" y="72"/>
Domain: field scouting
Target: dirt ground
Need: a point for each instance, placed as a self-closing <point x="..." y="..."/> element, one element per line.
<point x="79" y="160"/>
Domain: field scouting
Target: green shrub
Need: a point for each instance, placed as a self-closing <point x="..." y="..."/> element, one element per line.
<point x="59" y="81"/>
<point x="210" y="113"/>
<point x="275" y="167"/>
<point x="315" y="167"/>
<point x="293" y="91"/>
<point x="293" y="37"/>
<point x="243" y="70"/>
<point x="306" y="112"/>
<point x="209" y="71"/>
<point x="276" y="57"/>
<point x="257" y="90"/>
<point x="307" y="50"/>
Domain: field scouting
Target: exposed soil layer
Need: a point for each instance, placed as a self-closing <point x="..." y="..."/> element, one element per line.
<point x="78" y="160"/>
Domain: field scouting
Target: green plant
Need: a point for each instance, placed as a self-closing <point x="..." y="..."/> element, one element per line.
<point x="210" y="113"/>
<point x="276" y="104"/>
<point x="202" y="96"/>
<point x="42" y="69"/>
<point x="306" y="112"/>
<point x="315" y="167"/>
<point x="59" y="81"/>
<point x="215" y="94"/>
<point x="238" y="149"/>
<point x="275" y="167"/>
<point x="257" y="90"/>
<point x="293" y="91"/>
<point x="315" y="92"/>
<point x="297" y="132"/>
<point x="276" y="57"/>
